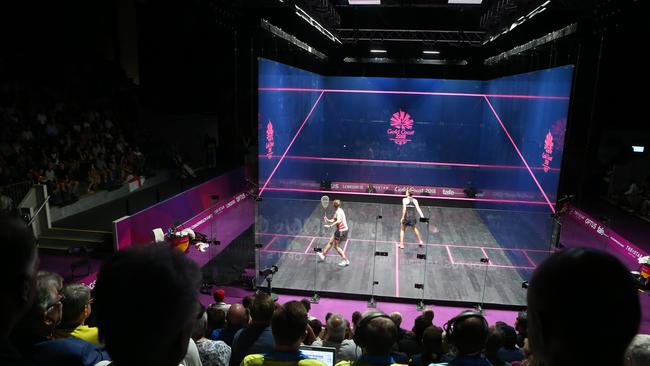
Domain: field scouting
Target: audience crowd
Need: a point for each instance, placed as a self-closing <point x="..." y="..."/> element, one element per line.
<point x="583" y="309"/>
<point x="73" y="147"/>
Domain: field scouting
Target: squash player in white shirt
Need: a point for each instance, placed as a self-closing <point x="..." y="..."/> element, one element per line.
<point x="341" y="234"/>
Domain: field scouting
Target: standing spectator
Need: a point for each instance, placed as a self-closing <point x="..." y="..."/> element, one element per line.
<point x="18" y="264"/>
<point x="289" y="326"/>
<point x="565" y="301"/>
<point x="423" y="322"/>
<point x="172" y="279"/>
<point x="213" y="353"/>
<point x="257" y="338"/>
<point x="76" y="309"/>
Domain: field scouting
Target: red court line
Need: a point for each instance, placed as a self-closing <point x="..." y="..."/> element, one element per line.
<point x="302" y="190"/>
<point x="444" y="94"/>
<point x="494" y="265"/>
<point x="486" y="256"/>
<point x="270" y="242"/>
<point x="520" y="155"/>
<point x="290" y="144"/>
<point x="529" y="259"/>
<point x="397" y="263"/>
<point x="408" y="243"/>
<point x="406" y="162"/>
<point x="310" y="243"/>
<point x="449" y="253"/>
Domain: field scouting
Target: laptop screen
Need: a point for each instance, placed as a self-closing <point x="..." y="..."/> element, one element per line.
<point x="325" y="354"/>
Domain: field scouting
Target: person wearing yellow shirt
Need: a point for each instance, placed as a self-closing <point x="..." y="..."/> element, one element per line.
<point x="76" y="309"/>
<point x="289" y="326"/>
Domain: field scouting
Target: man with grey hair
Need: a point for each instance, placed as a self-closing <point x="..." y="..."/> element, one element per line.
<point x="33" y="335"/>
<point x="346" y="349"/>
<point x="638" y="352"/>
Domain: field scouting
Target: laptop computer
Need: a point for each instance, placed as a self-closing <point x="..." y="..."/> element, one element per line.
<point x="325" y="354"/>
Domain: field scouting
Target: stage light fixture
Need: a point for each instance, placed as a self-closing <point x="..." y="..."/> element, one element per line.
<point x="525" y="285"/>
<point x="377" y="50"/>
<point x="430" y="52"/>
<point x="466" y="2"/>
<point x="638" y="149"/>
<point x="364" y="2"/>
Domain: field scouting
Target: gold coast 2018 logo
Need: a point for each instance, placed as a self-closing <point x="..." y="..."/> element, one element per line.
<point x="401" y="129"/>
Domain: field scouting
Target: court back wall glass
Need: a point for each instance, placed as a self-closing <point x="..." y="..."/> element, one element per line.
<point x="495" y="142"/>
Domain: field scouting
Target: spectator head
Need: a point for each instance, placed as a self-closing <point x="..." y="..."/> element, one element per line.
<point x="76" y="305"/>
<point x="493" y="343"/>
<point x="219" y="295"/>
<point x="316" y="326"/>
<point x="521" y="323"/>
<point x="356" y="316"/>
<point x="468" y="332"/>
<point x="306" y="304"/>
<point x="216" y="318"/>
<point x="327" y="316"/>
<point x="52" y="278"/>
<point x="262" y="309"/>
<point x="432" y="340"/>
<point x="397" y="318"/>
<point x="170" y="297"/>
<point x="428" y="315"/>
<point x="336" y="327"/>
<point x="565" y="301"/>
<point x="247" y="301"/>
<point x="509" y="336"/>
<point x="18" y="264"/>
<point x="200" y="329"/>
<point x="44" y="314"/>
<point x="289" y="326"/>
<point x="376" y="334"/>
<point x="638" y="352"/>
<point x="237" y="316"/>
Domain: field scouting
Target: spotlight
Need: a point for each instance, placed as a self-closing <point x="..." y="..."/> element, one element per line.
<point x="524" y="285"/>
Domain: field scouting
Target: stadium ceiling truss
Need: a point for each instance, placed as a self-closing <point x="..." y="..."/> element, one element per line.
<point x="472" y="38"/>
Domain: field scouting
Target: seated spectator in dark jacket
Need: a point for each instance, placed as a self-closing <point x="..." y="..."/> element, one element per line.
<point x="34" y="333"/>
<point x="467" y="333"/>
<point x="492" y="346"/>
<point x="376" y="334"/>
<point x="397" y="318"/>
<point x="423" y="322"/>
<point x="567" y="297"/>
<point x="18" y="264"/>
<point x="169" y="301"/>
<point x="236" y="319"/>
<point x="432" y="348"/>
<point x="257" y="338"/>
<point x="509" y="351"/>
<point x="289" y="326"/>
<point x="76" y="309"/>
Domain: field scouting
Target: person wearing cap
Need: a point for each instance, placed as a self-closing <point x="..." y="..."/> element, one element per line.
<point x="219" y="295"/>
